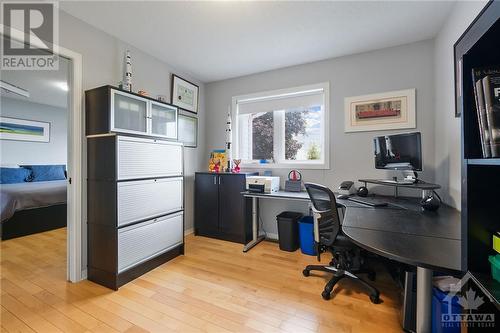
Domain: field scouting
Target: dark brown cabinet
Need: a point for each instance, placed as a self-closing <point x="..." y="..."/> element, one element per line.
<point x="135" y="186"/>
<point x="207" y="203"/>
<point x="220" y="209"/>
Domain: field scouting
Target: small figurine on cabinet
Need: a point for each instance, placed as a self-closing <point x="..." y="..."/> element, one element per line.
<point x="217" y="157"/>
<point x="237" y="163"/>
<point x="211" y="164"/>
<point x="217" y="166"/>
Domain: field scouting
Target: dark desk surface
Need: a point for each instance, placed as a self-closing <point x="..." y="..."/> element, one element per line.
<point x="401" y="231"/>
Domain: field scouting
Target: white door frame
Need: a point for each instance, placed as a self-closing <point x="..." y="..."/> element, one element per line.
<point x="75" y="141"/>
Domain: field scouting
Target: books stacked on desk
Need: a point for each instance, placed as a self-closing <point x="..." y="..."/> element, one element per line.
<point x="486" y="82"/>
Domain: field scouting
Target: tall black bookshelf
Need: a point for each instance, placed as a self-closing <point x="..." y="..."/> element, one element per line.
<point x="479" y="46"/>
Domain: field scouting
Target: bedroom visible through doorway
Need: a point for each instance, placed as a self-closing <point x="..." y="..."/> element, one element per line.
<point x="34" y="129"/>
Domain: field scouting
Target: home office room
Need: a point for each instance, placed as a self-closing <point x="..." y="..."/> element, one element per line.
<point x="250" y="166"/>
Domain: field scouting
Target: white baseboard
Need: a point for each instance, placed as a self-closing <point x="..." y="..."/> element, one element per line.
<point x="271" y="236"/>
<point x="84" y="274"/>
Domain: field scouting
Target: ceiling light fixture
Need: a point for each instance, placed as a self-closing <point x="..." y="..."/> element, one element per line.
<point x="10" y="88"/>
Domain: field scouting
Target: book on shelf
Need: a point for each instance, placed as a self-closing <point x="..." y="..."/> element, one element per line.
<point x="491" y="91"/>
<point x="488" y="123"/>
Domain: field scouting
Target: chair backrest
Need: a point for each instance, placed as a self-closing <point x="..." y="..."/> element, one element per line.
<point x="327" y="225"/>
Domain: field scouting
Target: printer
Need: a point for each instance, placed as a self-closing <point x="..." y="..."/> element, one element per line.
<point x="263" y="184"/>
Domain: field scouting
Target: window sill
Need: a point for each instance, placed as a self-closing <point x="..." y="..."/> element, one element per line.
<point x="302" y="166"/>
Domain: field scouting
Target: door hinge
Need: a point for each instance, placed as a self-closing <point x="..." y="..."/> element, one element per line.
<point x="69" y="180"/>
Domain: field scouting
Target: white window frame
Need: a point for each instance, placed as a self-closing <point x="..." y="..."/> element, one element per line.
<point x="286" y="164"/>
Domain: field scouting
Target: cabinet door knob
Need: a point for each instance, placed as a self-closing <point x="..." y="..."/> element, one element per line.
<point x="215" y="180"/>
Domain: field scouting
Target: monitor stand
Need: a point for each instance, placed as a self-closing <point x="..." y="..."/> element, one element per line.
<point x="409" y="177"/>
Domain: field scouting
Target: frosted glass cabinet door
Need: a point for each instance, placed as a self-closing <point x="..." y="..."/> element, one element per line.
<point x="129" y="114"/>
<point x="164" y="120"/>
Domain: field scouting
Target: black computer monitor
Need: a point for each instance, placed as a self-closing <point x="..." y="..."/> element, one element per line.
<point x="398" y="152"/>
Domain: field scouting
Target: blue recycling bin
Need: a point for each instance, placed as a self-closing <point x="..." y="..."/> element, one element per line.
<point x="440" y="307"/>
<point x="306" y="235"/>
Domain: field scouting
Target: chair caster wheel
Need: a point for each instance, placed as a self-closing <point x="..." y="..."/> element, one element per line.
<point x="325" y="295"/>
<point x="305" y="272"/>
<point x="372" y="276"/>
<point x="375" y="299"/>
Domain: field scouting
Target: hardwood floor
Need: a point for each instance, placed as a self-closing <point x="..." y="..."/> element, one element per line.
<point x="213" y="288"/>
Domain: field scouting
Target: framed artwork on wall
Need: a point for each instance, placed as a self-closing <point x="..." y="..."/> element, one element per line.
<point x="187" y="130"/>
<point x="385" y="111"/>
<point x="24" y="130"/>
<point x="184" y="94"/>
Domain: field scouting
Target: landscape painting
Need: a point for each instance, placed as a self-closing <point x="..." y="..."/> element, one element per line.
<point x="24" y="130"/>
<point x="385" y="111"/>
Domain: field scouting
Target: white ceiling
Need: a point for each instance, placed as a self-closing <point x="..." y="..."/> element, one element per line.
<point x="44" y="87"/>
<point x="219" y="40"/>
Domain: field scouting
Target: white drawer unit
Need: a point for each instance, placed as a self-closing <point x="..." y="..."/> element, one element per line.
<point x="142" y="199"/>
<point x="147" y="158"/>
<point x="140" y="242"/>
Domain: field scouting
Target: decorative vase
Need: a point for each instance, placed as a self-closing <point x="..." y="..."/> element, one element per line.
<point x="237" y="165"/>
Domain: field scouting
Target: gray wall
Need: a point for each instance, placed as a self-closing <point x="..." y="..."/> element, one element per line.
<point x="25" y="152"/>
<point x="351" y="155"/>
<point x="448" y="153"/>
<point x="102" y="64"/>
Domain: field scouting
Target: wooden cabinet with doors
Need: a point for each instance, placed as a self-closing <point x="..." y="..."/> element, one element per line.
<point x="220" y="210"/>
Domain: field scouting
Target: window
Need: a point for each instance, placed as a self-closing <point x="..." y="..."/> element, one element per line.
<point x="284" y="128"/>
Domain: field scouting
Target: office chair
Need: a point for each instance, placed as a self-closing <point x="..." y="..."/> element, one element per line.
<point x="346" y="261"/>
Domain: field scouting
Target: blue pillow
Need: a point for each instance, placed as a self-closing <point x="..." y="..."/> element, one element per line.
<point x="41" y="173"/>
<point x="14" y="175"/>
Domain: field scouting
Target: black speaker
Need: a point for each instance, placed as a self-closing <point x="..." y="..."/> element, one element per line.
<point x="430" y="203"/>
<point x="362" y="191"/>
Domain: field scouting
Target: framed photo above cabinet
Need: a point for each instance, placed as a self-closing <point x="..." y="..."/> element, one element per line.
<point x="110" y="109"/>
<point x="184" y="94"/>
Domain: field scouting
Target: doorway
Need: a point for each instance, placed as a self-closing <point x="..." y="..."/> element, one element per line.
<point x="74" y="141"/>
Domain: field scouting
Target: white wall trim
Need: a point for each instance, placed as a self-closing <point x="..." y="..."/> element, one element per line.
<point x="75" y="141"/>
<point x="188" y="231"/>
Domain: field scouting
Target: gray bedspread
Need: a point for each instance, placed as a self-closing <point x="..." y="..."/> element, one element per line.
<point x="14" y="197"/>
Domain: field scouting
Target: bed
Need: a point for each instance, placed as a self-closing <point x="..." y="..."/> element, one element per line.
<point x="31" y="207"/>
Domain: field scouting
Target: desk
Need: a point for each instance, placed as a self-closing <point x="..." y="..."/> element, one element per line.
<point x="280" y="195"/>
<point x="400" y="231"/>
